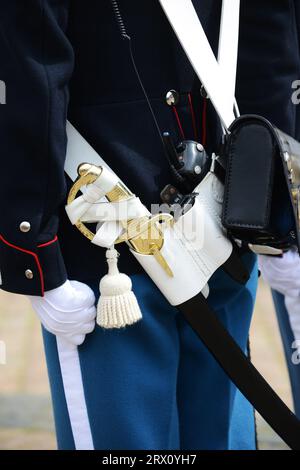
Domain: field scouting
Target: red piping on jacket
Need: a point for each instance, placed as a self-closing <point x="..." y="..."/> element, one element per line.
<point x="29" y="253"/>
<point x="48" y="243"/>
<point x="193" y="116"/>
<point x="178" y="121"/>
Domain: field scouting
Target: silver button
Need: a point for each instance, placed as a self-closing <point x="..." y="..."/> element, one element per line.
<point x="29" y="274"/>
<point x="197" y="169"/>
<point x="25" y="226"/>
<point x="172" y="97"/>
<point x="200" y="148"/>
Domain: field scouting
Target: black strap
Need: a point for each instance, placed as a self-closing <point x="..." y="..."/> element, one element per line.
<point x="235" y="267"/>
<point x="238" y="367"/>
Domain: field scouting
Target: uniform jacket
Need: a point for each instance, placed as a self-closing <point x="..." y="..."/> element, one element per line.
<point x="63" y="59"/>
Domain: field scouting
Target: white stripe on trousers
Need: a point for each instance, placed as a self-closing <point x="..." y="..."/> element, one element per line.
<point x="74" y="393"/>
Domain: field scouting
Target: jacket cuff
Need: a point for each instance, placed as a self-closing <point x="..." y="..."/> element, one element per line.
<point x="31" y="272"/>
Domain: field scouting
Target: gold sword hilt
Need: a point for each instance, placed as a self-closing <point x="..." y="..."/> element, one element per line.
<point x="144" y="235"/>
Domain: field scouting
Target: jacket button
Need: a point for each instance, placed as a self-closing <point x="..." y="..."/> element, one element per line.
<point x="25" y="226"/>
<point x="29" y="274"/>
<point x="172" y="97"/>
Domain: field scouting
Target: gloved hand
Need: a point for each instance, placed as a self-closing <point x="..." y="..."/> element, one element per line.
<point x="68" y="311"/>
<point x="282" y="274"/>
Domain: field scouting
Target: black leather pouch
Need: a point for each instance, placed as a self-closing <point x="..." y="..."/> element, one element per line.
<point x="261" y="199"/>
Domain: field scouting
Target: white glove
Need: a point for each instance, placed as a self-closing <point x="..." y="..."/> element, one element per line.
<point x="282" y="274"/>
<point x="68" y="311"/>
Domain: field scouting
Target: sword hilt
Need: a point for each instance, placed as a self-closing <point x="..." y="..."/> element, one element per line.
<point x="143" y="235"/>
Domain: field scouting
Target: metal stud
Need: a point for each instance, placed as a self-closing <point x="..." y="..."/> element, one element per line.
<point x="200" y="147"/>
<point x="197" y="169"/>
<point x="25" y="226"/>
<point x="29" y="274"/>
<point x="172" y="97"/>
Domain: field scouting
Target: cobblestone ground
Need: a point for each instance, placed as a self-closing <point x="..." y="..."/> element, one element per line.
<point x="26" y="420"/>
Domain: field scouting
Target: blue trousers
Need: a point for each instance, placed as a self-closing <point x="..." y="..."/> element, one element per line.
<point x="154" y="385"/>
<point x="287" y="340"/>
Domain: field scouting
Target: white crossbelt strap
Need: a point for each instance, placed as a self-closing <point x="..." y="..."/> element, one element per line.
<point x="217" y="77"/>
<point x="77" y="149"/>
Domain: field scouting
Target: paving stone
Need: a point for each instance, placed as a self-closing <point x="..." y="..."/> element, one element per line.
<point x="26" y="439"/>
<point x="26" y="411"/>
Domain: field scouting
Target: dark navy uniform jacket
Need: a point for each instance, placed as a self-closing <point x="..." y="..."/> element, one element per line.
<point x="63" y="59"/>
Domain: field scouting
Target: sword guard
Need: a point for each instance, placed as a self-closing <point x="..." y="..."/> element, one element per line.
<point x="142" y="234"/>
<point x="87" y="174"/>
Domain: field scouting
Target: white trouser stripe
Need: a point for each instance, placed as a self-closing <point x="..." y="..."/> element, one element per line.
<point x="74" y="393"/>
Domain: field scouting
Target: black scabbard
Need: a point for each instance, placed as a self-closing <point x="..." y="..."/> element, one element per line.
<point x="240" y="370"/>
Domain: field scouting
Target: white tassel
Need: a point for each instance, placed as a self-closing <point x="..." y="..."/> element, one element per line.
<point x="117" y="306"/>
